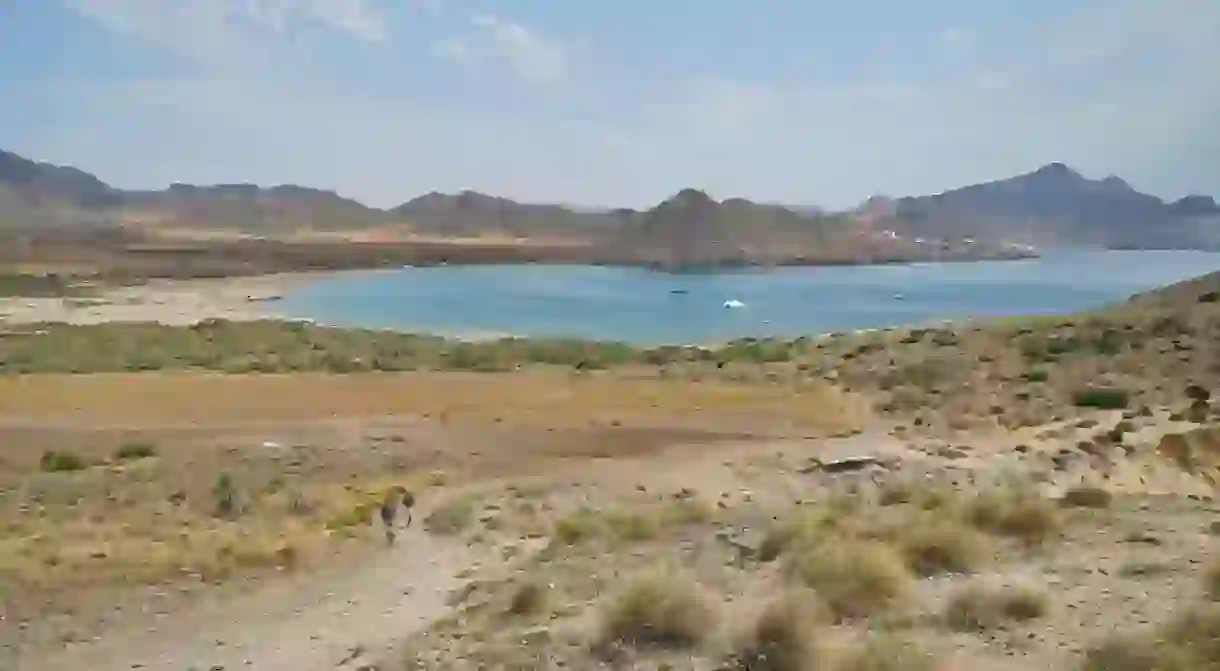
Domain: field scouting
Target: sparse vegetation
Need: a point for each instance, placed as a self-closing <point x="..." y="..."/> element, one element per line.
<point x="59" y="461"/>
<point x="979" y="607"/>
<point x="452" y="517"/>
<point x="888" y="652"/>
<point x="840" y="560"/>
<point x="1190" y="642"/>
<point x="784" y="638"/>
<point x="1102" y="399"/>
<point x="530" y="598"/>
<point x="944" y="546"/>
<point x="662" y="609"/>
<point x="1211" y="582"/>
<point x="224" y="495"/>
<point x="856" y="578"/>
<point x="1087" y="497"/>
<point x="1023" y="516"/>
<point x="135" y="450"/>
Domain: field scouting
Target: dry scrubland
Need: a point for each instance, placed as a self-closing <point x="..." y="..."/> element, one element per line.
<point x="1033" y="488"/>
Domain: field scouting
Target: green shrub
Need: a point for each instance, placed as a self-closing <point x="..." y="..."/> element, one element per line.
<point x="136" y="450"/>
<point x="224" y="495"/>
<point x="1102" y="399"/>
<point x="54" y="461"/>
<point x="1037" y="375"/>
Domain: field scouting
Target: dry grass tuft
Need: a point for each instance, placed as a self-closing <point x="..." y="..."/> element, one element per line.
<point x="856" y="578"/>
<point x="784" y="638"/>
<point x="888" y="653"/>
<point x="1087" y="497"/>
<point x="1190" y="642"/>
<point x="980" y="607"/>
<point x="452" y="517"/>
<point x="1031" y="519"/>
<point x="1211" y="582"/>
<point x="663" y="609"/>
<point x="530" y="598"/>
<point x="944" y="546"/>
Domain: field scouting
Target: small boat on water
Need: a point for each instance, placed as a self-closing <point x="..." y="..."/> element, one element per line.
<point x="899" y="297"/>
<point x="733" y="303"/>
<point x="679" y="292"/>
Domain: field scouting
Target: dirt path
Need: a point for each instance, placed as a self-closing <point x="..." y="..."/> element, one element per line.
<point x="333" y="622"/>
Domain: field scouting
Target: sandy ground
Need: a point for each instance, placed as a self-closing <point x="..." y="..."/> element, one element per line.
<point x="170" y="302"/>
<point x="333" y="621"/>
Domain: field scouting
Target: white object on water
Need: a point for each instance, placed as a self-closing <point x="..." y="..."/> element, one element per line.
<point x="899" y="297"/>
<point x="733" y="303"/>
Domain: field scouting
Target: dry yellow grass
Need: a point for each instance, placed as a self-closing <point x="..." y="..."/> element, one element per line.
<point x="785" y="636"/>
<point x="978" y="607"/>
<point x="662" y="609"/>
<point x="548" y="398"/>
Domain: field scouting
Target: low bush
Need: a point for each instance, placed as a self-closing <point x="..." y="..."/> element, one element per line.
<point x="979" y="607"/>
<point x="663" y="610"/>
<point x="56" y="461"/>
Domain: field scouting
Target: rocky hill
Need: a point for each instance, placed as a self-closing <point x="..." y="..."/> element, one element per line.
<point x="688" y="229"/>
<point x="1057" y="205"/>
<point x="1052" y="205"/>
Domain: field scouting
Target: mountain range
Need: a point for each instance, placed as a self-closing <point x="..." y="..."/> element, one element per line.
<point x="1053" y="205"/>
<point x="1057" y="205"/>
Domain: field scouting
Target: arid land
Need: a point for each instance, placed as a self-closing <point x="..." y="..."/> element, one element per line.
<point x="1018" y="494"/>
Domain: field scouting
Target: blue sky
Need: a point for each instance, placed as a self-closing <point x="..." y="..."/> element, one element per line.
<point x="615" y="103"/>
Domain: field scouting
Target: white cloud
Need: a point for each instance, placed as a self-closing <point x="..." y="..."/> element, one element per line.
<point x="1125" y="86"/>
<point x="1008" y="112"/>
<point x="529" y="55"/>
<point x="231" y="34"/>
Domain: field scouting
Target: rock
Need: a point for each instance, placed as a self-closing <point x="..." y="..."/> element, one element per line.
<point x="949" y="452"/>
<point x="847" y="464"/>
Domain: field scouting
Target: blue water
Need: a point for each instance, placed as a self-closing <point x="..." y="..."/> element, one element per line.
<point x="640" y="306"/>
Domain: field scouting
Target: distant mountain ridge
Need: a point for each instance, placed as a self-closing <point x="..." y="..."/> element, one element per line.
<point x="1052" y="205"/>
<point x="1057" y="205"/>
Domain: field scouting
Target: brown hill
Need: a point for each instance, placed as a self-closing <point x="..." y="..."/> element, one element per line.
<point x="1057" y="205"/>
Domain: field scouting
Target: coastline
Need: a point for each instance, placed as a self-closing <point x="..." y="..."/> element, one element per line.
<point x="170" y="302"/>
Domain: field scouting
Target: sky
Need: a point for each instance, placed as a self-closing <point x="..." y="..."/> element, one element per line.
<point x="615" y="104"/>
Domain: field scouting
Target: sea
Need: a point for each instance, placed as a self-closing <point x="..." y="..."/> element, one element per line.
<point x="647" y="307"/>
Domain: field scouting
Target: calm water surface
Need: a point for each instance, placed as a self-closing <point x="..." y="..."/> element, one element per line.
<point x="648" y="307"/>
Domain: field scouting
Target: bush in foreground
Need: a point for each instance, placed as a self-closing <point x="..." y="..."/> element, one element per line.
<point x="888" y="653"/>
<point x="54" y="461"/>
<point x="856" y="578"/>
<point x="979" y="607"/>
<point x="1190" y="642"/>
<point x="1102" y="399"/>
<point x="134" y="451"/>
<point x="1026" y="517"/>
<point x="659" y="610"/>
<point x="932" y="548"/>
<point x="1211" y="582"/>
<point x="784" y="638"/>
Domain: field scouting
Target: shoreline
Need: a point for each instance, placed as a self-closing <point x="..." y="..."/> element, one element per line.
<point x="170" y="302"/>
<point x="245" y="298"/>
<point x="173" y="301"/>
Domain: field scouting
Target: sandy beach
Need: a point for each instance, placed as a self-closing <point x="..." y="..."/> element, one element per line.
<point x="169" y="302"/>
